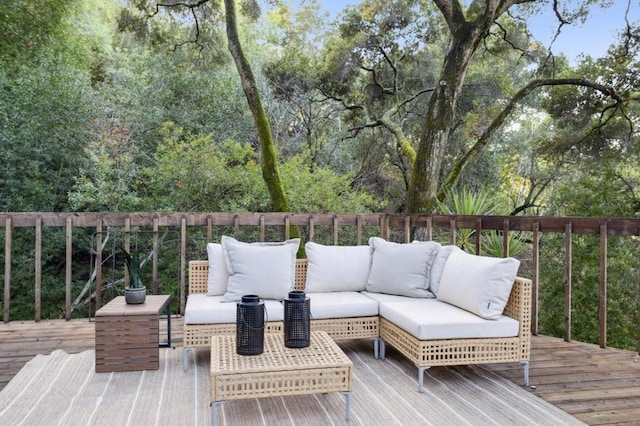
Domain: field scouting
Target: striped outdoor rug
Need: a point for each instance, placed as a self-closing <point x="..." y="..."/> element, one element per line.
<point x="62" y="389"/>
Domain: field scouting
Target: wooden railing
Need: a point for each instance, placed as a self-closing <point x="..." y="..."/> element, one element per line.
<point x="344" y="229"/>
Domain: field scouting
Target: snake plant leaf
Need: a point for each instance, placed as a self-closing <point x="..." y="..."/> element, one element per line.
<point x="134" y="265"/>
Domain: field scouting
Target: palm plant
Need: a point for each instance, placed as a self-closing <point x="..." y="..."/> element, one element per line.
<point x="466" y="202"/>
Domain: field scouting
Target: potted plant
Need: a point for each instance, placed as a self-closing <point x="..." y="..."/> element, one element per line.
<point x="136" y="292"/>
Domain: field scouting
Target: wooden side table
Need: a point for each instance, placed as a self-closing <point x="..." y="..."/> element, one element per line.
<point x="128" y="336"/>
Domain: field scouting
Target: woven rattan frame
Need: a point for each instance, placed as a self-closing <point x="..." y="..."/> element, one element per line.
<point x="322" y="367"/>
<point x="348" y="328"/>
<point x="198" y="335"/>
<point x="431" y="353"/>
<point x="423" y="353"/>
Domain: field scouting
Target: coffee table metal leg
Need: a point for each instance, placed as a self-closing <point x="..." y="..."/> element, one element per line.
<point x="214" y="412"/>
<point x="347" y="403"/>
<point x="185" y="358"/>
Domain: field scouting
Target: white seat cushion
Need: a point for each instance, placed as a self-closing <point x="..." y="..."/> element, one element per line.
<point x="430" y="319"/>
<point x="203" y="309"/>
<point x="385" y="298"/>
<point x="342" y="304"/>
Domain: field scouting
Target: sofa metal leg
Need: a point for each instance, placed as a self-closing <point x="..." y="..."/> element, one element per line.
<point x="382" y="348"/>
<point x="347" y="406"/>
<point x="376" y="347"/>
<point x="421" y="371"/>
<point x="214" y="412"/>
<point x="185" y="358"/>
<point x="526" y="372"/>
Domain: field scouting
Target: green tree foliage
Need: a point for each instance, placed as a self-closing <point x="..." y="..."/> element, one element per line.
<point x="365" y="73"/>
<point x="304" y="118"/>
<point x="34" y="26"/>
<point x="198" y="173"/>
<point x="608" y="189"/>
<point x="48" y="64"/>
<point x="46" y="99"/>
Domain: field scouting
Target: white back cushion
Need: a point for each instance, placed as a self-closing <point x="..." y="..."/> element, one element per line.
<point x="402" y="269"/>
<point x="336" y="268"/>
<point x="218" y="275"/>
<point x="479" y="284"/>
<point x="265" y="269"/>
<point x="438" y="267"/>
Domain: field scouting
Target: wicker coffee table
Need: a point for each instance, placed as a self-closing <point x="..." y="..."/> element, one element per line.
<point x="320" y="368"/>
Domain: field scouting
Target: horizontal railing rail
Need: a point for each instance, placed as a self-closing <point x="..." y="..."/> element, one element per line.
<point x="342" y="229"/>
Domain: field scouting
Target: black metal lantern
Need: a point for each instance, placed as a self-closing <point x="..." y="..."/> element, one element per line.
<point x="250" y="322"/>
<point x="297" y="320"/>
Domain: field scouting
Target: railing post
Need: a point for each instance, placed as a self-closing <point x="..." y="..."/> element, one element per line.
<point x="38" y="269"/>
<point x="312" y="228"/>
<point x="7" y="267"/>
<point x="479" y="236"/>
<point x="602" y="305"/>
<point x="384" y="226"/>
<point x="262" y="228"/>
<point x="156" y="246"/>
<point x="287" y="227"/>
<point x="236" y="226"/>
<point x="407" y="229"/>
<point x="98" y="264"/>
<point x="209" y="229"/>
<point x="183" y="264"/>
<point x="127" y="245"/>
<point x="535" y="278"/>
<point x="567" y="280"/>
<point x="68" y="267"/>
<point x="452" y="231"/>
<point x="358" y="230"/>
<point x="335" y="230"/>
<point x="638" y="302"/>
<point x="505" y="238"/>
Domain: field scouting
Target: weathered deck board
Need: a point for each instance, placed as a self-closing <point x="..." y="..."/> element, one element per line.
<point x="598" y="386"/>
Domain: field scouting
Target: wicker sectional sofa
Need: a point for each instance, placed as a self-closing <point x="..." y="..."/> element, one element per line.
<point x="428" y="331"/>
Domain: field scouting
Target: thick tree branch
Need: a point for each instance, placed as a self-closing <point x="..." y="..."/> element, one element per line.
<point x="482" y="141"/>
<point x="192" y="9"/>
<point x="376" y="82"/>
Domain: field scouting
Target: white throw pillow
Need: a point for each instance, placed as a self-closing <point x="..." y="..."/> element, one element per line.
<point x="264" y="269"/>
<point x="218" y="275"/>
<point x="478" y="284"/>
<point x="336" y="268"/>
<point x="438" y="266"/>
<point x="402" y="269"/>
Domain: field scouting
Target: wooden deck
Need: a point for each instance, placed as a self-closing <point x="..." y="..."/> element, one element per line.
<point x="598" y="386"/>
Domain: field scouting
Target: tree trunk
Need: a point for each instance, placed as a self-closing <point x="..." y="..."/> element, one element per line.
<point x="270" y="169"/>
<point x="434" y="140"/>
<point x="466" y="36"/>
